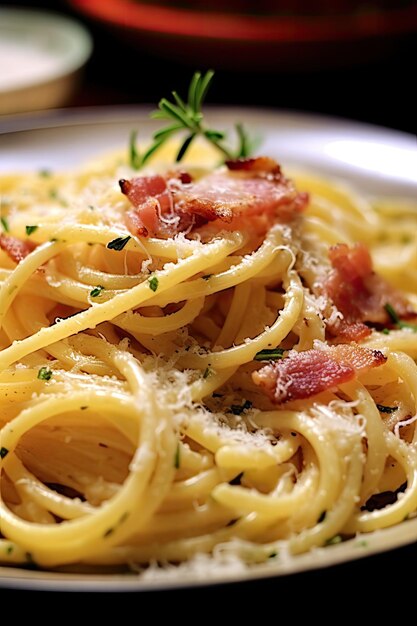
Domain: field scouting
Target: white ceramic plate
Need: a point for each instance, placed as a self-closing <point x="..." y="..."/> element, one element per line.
<point x="378" y="161"/>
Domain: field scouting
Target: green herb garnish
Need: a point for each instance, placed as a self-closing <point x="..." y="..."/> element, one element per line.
<point x="206" y="372"/>
<point x="135" y="160"/>
<point x="44" y="173"/>
<point x="5" y="224"/>
<point x="153" y="283"/>
<point x="386" y="409"/>
<point x="186" y="116"/>
<point x="31" y="229"/>
<point x="45" y="373"/>
<point x="3" y="452"/>
<point x="269" y="355"/>
<point x="118" y="243"/>
<point x="334" y="540"/>
<point x="96" y="291"/>
<point x="396" y="320"/>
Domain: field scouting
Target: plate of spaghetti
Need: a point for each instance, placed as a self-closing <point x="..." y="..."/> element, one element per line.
<point x="207" y="348"/>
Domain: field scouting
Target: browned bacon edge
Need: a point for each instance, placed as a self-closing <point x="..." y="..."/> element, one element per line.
<point x="302" y="375"/>
<point x="164" y="206"/>
<point x="360" y="294"/>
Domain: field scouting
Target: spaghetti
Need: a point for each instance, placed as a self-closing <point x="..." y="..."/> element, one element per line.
<point x="173" y="387"/>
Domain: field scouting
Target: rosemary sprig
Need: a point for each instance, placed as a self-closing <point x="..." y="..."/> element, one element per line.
<point x="187" y="116"/>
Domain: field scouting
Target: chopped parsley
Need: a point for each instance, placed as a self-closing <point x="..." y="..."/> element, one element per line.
<point x="45" y="373"/>
<point x="206" y="372"/>
<point x="269" y="355"/>
<point x="5" y="224"/>
<point x="386" y="409"/>
<point x="237" y="409"/>
<point x="272" y="555"/>
<point x="31" y="229"/>
<point x="334" y="540"/>
<point x="9" y="549"/>
<point x="396" y="320"/>
<point x="118" y="243"/>
<point x="3" y="452"/>
<point x="44" y="173"/>
<point x="153" y="283"/>
<point x="108" y="532"/>
<point x="96" y="291"/>
<point x="177" y="457"/>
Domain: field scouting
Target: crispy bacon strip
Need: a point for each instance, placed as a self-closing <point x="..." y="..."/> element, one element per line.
<point x="359" y="293"/>
<point x="15" y="248"/>
<point x="164" y="207"/>
<point x="304" y="374"/>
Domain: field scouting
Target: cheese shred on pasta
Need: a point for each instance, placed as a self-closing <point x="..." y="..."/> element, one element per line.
<point x="132" y="430"/>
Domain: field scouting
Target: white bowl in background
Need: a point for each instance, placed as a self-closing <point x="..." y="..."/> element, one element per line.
<point x="41" y="55"/>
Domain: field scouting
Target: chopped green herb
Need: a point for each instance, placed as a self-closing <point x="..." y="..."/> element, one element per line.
<point x="177" y="457"/>
<point x="362" y="544"/>
<point x="385" y="331"/>
<point x="31" y="229"/>
<point x="273" y="555"/>
<point x="3" y="452"/>
<point x="206" y="372"/>
<point x="396" y="320"/>
<point x="135" y="160"/>
<point x="45" y="373"/>
<point x="53" y="194"/>
<point x="153" y="283"/>
<point x="237" y="479"/>
<point x="108" y="532"/>
<point x="5" y="224"/>
<point x="9" y="549"/>
<point x="90" y="206"/>
<point x="237" y="409"/>
<point x="206" y="276"/>
<point x="118" y="243"/>
<point x="45" y="173"/>
<point x="96" y="291"/>
<point x="334" y="540"/>
<point x="322" y="517"/>
<point x="386" y="409"/>
<point x="269" y="355"/>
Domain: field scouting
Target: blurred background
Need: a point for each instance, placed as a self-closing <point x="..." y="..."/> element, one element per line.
<point x="340" y="57"/>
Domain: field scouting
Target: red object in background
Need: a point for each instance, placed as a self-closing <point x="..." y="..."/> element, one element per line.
<point x="241" y="39"/>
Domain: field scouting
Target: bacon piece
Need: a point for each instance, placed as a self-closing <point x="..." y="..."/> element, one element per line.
<point x="164" y="207"/>
<point x="261" y="165"/>
<point x="304" y="374"/>
<point x="359" y="293"/>
<point x="15" y="248"/>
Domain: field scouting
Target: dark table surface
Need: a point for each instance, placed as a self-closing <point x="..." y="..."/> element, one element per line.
<point x="377" y="92"/>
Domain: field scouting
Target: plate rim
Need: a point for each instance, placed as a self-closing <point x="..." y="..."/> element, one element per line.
<point x="17" y="578"/>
